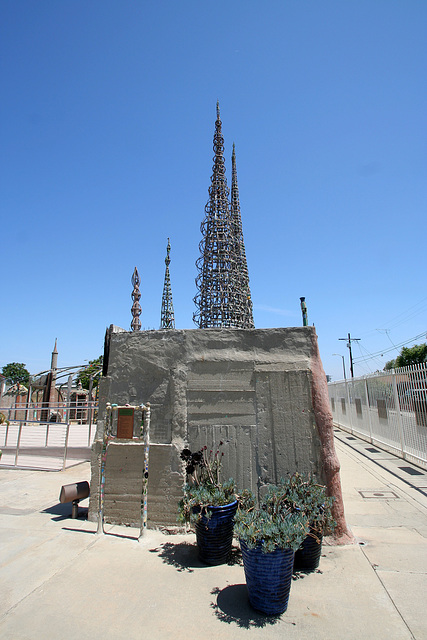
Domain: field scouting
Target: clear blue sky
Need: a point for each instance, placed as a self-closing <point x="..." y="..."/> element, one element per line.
<point x="107" y="117"/>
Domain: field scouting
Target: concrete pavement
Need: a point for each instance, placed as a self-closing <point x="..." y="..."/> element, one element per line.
<point x="59" y="580"/>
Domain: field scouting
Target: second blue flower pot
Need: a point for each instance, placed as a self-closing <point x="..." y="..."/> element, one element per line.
<point x="268" y="578"/>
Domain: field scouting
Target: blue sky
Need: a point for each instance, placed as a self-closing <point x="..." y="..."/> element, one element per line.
<point x="107" y="118"/>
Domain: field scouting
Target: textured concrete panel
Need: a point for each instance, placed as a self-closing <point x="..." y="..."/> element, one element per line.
<point x="164" y="485"/>
<point x="123" y="483"/>
<point x="287" y="436"/>
<point x="239" y="449"/>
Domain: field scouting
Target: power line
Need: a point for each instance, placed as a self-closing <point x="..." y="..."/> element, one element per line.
<point x="378" y="363"/>
<point x="402" y="317"/>
<point x="396" y="347"/>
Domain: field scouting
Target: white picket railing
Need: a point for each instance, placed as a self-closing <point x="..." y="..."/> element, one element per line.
<point x="389" y="409"/>
<point x="34" y="444"/>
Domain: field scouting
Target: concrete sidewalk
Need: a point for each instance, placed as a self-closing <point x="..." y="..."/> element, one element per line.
<point x="60" y="580"/>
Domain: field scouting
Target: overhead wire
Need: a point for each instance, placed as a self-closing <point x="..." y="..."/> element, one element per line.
<point x="401" y="318"/>
<point x="398" y="320"/>
<point x="365" y="359"/>
<point x="395" y="347"/>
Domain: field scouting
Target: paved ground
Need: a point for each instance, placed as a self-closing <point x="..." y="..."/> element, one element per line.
<point x="59" y="580"/>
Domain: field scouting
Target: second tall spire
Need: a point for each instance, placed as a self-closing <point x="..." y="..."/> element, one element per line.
<point x="223" y="298"/>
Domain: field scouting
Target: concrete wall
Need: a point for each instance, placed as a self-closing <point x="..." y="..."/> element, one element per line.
<point x="249" y="388"/>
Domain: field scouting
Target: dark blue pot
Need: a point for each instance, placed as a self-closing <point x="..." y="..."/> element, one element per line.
<point x="214" y="535"/>
<point x="307" y="557"/>
<point x="268" y="578"/>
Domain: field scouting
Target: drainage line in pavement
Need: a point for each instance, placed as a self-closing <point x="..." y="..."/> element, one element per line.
<point x="387" y="592"/>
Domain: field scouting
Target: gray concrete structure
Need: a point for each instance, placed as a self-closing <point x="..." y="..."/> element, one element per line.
<point x="251" y="389"/>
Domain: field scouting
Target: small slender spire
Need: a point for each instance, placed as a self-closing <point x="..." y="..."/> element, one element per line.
<point x="53" y="399"/>
<point x="167" y="319"/>
<point x="54" y="358"/>
<point x="242" y="265"/>
<point x="136" y="307"/>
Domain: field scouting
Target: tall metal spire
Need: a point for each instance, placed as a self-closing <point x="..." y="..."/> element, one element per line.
<point x="219" y="297"/>
<point x="242" y="265"/>
<point x="167" y="320"/>
<point x="136" y="307"/>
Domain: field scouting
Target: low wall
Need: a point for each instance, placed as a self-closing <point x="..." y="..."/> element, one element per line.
<point x="252" y="389"/>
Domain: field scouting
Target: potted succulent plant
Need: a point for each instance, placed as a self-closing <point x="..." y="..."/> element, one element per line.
<point x="304" y="494"/>
<point x="269" y="536"/>
<point x="209" y="504"/>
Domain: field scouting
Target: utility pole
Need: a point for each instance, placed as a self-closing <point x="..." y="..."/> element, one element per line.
<point x="349" y="339"/>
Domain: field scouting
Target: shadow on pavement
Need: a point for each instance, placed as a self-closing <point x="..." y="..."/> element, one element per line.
<point x="63" y="512"/>
<point x="184" y="556"/>
<point x="232" y="606"/>
<point x="106" y="533"/>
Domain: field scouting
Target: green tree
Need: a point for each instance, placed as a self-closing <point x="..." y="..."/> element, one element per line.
<point x="391" y="364"/>
<point x="412" y="355"/>
<point x="16" y="372"/>
<point x="408" y="355"/>
<point x="84" y="374"/>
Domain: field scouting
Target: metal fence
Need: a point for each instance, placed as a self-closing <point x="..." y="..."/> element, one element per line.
<point x="34" y="444"/>
<point x="389" y="409"/>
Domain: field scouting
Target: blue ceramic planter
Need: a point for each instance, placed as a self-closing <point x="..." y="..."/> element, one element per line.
<point x="268" y="578"/>
<point x="307" y="557"/>
<point x="214" y="535"/>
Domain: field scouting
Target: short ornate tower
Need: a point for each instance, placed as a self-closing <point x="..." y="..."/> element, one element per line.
<point x="167" y="319"/>
<point x="221" y="300"/>
<point x="136" y="307"/>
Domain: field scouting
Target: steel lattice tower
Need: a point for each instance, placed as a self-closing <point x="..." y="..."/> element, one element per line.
<point x="220" y="300"/>
<point x="167" y="320"/>
<point x="242" y="265"/>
